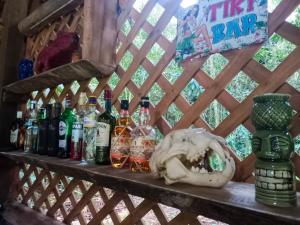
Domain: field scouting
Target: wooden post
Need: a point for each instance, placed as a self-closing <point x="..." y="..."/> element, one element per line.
<point x="100" y="33"/>
<point x="11" y="51"/>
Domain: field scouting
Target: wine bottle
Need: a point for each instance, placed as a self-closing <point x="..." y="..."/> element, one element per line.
<point x="105" y="125"/>
<point x="44" y="118"/>
<point x="31" y="129"/>
<point x="65" y="129"/>
<point x="53" y="136"/>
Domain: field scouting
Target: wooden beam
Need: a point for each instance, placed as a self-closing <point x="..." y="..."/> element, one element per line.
<point x="100" y="33"/>
<point x="47" y="13"/>
<point x="11" y="51"/>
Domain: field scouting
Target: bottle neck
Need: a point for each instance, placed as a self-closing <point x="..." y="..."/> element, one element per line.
<point x="124" y="118"/>
<point x="144" y="118"/>
<point x="108" y="105"/>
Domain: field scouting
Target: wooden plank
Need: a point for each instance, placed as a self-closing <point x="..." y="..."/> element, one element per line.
<point x="235" y="200"/>
<point x="46" y="14"/>
<point x="100" y="33"/>
<point x="17" y="214"/>
<point x="9" y="180"/>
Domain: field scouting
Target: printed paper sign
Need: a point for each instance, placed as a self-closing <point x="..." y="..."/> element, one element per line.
<point x="212" y="26"/>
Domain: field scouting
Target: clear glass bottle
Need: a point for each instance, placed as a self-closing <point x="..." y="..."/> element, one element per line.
<point x="143" y="140"/>
<point x="65" y="129"/>
<point x="77" y="130"/>
<point x="121" y="139"/>
<point x="105" y="125"/>
<point x="31" y="132"/>
<point x="53" y="135"/>
<point x="44" y="118"/>
<point x="89" y="131"/>
<point x="17" y="132"/>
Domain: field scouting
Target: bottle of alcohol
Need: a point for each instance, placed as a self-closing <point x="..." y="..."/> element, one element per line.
<point x="44" y="118"/>
<point x="121" y="139"/>
<point x="53" y="135"/>
<point x="77" y="129"/>
<point x="31" y="132"/>
<point x="17" y="132"/>
<point x="89" y="131"/>
<point x="65" y="129"/>
<point x="105" y="125"/>
<point x="143" y="140"/>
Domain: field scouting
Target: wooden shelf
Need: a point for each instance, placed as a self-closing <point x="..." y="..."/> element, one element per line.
<point x="81" y="70"/>
<point x="17" y="214"/>
<point x="232" y="204"/>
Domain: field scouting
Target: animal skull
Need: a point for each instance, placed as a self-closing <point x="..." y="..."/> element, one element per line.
<point x="183" y="156"/>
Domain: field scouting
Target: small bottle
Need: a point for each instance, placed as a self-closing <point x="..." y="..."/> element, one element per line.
<point x="89" y="131"/>
<point x="77" y="129"/>
<point x="44" y="118"/>
<point x="31" y="132"/>
<point x="17" y="132"/>
<point x="105" y="125"/>
<point x="65" y="129"/>
<point x="121" y="139"/>
<point x="53" y="135"/>
<point x="143" y="140"/>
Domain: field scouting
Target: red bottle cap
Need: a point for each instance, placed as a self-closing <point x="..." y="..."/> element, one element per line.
<point x="107" y="94"/>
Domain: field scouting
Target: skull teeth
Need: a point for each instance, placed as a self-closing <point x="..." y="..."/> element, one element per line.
<point x="198" y="170"/>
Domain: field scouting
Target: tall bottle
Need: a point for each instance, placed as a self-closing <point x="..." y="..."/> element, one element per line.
<point x="77" y="129"/>
<point x="65" y="129"/>
<point x="121" y="139"/>
<point x="143" y="140"/>
<point x="89" y="131"/>
<point x="105" y="125"/>
<point x="31" y="132"/>
<point x="53" y="135"/>
<point x="17" y="132"/>
<point x="44" y="118"/>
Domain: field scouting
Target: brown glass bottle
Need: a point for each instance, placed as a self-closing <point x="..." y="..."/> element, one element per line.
<point x="121" y="139"/>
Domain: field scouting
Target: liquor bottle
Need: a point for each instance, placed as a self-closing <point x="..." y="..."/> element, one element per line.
<point x="121" y="139"/>
<point x="31" y="132"/>
<point x="17" y="132"/>
<point x="44" y="118"/>
<point x="65" y="129"/>
<point x="143" y="140"/>
<point x="105" y="125"/>
<point x="77" y="129"/>
<point x="89" y="131"/>
<point x="53" y="135"/>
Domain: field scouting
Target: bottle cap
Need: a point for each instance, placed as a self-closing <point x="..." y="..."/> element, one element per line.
<point x="32" y="104"/>
<point x="68" y="102"/>
<point x="92" y="100"/>
<point x="144" y="102"/>
<point x="82" y="98"/>
<point x="124" y="104"/>
<point x="19" y="114"/>
<point x="107" y="94"/>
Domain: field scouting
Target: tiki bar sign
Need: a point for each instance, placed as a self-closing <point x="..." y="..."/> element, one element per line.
<point x="212" y="26"/>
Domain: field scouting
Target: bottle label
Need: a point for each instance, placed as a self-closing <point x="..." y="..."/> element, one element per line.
<point x="102" y="135"/>
<point x="120" y="146"/>
<point x="62" y="128"/>
<point x="62" y="143"/>
<point x="77" y="132"/>
<point x="89" y="120"/>
<point x="14" y="136"/>
<point x="141" y="149"/>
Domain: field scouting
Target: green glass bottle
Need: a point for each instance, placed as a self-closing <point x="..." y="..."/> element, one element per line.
<point x="65" y="129"/>
<point x="105" y="125"/>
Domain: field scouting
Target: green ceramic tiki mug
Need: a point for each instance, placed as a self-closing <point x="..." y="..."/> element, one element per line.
<point x="273" y="146"/>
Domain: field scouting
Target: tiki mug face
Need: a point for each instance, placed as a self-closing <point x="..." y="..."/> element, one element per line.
<point x="273" y="147"/>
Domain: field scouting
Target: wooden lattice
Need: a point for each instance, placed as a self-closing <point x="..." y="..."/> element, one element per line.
<point x="75" y="201"/>
<point x="215" y="89"/>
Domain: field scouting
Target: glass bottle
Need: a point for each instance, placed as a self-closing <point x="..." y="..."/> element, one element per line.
<point x="17" y="132"/>
<point x="53" y="135"/>
<point x="89" y="131"/>
<point x="31" y="132"/>
<point x="121" y="139"/>
<point x="143" y="140"/>
<point x="44" y="118"/>
<point x="105" y="125"/>
<point x="65" y="129"/>
<point x="77" y="129"/>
